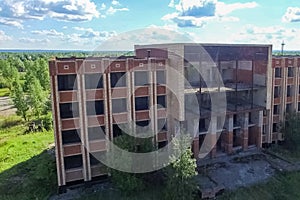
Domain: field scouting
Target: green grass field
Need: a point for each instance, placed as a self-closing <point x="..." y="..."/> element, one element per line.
<point x="27" y="170"/>
<point x="4" y="92"/>
<point x="283" y="186"/>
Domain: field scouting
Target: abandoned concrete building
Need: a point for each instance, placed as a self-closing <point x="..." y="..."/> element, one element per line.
<point x="166" y="88"/>
<point x="285" y="95"/>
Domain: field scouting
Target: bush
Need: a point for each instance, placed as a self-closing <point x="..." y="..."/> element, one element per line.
<point x="47" y="121"/>
<point x="291" y="131"/>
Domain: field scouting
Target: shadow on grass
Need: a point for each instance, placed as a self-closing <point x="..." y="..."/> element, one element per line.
<point x="32" y="179"/>
<point x="9" y="122"/>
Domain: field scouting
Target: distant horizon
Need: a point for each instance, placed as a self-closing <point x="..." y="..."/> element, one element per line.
<point x="79" y="50"/>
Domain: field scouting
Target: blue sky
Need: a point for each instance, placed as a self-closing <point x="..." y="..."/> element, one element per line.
<point x="89" y="25"/>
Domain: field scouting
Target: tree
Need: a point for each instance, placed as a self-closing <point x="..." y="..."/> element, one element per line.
<point x="9" y="73"/>
<point x="37" y="98"/>
<point x="42" y="73"/>
<point x="128" y="183"/>
<point x="20" y="100"/>
<point x="181" y="184"/>
<point x="291" y="131"/>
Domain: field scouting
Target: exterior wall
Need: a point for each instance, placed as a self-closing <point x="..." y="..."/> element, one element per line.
<point x="242" y="128"/>
<point x="80" y="95"/>
<point x="283" y="82"/>
<point x="259" y="57"/>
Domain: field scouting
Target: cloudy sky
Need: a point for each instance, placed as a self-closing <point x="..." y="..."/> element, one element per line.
<point x="86" y="24"/>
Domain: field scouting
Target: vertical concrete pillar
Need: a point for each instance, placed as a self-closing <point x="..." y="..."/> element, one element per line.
<point x="259" y="129"/>
<point x="245" y="131"/>
<point x="212" y="134"/>
<point x="229" y="136"/>
<point x="196" y="147"/>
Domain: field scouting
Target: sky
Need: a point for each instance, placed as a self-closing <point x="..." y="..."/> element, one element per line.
<point x="118" y="24"/>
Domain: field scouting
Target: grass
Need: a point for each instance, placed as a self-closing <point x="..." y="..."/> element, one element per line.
<point x="150" y="193"/>
<point x="283" y="152"/>
<point x="4" y="92"/>
<point x="27" y="170"/>
<point x="282" y="186"/>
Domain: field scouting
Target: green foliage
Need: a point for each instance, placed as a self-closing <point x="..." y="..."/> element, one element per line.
<point x="37" y="98"/>
<point x="10" y="121"/>
<point x="4" y="92"/>
<point x="27" y="169"/>
<point x="291" y="131"/>
<point x="181" y="184"/>
<point x="129" y="183"/>
<point x="8" y="73"/>
<point x="47" y="121"/>
<point x="20" y="100"/>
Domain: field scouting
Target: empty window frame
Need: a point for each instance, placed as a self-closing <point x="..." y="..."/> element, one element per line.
<point x="264" y="130"/>
<point x="275" y="127"/>
<point x="117" y="130"/>
<point x="71" y="136"/>
<point x="276" y="109"/>
<point x="161" y="101"/>
<point x="142" y="126"/>
<point x="288" y="108"/>
<point x="96" y="157"/>
<point x="141" y="78"/>
<point x="202" y="125"/>
<point x="69" y="110"/>
<point x="161" y="77"/>
<point x="94" y="108"/>
<point x="277" y="91"/>
<point x="277" y="72"/>
<point x="119" y="105"/>
<point x="162" y="144"/>
<point x="118" y="79"/>
<point x="67" y="82"/>
<point x="141" y="103"/>
<point x="96" y="133"/>
<point x="162" y="125"/>
<point x="93" y="81"/>
<point x="290" y="71"/>
<point x="71" y="162"/>
<point x="289" y="91"/>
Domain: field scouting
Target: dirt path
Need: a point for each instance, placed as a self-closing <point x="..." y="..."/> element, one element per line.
<point x="6" y="107"/>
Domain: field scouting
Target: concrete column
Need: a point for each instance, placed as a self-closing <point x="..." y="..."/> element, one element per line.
<point x="245" y="131"/>
<point x="212" y="136"/>
<point x="196" y="147"/>
<point x="259" y="129"/>
<point x="229" y="136"/>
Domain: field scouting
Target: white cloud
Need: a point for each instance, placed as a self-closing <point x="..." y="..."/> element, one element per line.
<point x="115" y="3"/>
<point x="14" y="12"/>
<point x="196" y="13"/>
<point x="172" y="4"/>
<point x="4" y="37"/>
<point x="112" y="10"/>
<point x="33" y="40"/>
<point x="116" y="6"/>
<point x="90" y="33"/>
<point x="225" y="9"/>
<point x="292" y="14"/>
<point x="11" y="22"/>
<point x="103" y="6"/>
<point x="50" y="32"/>
<point x="270" y="35"/>
<point x="151" y="35"/>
